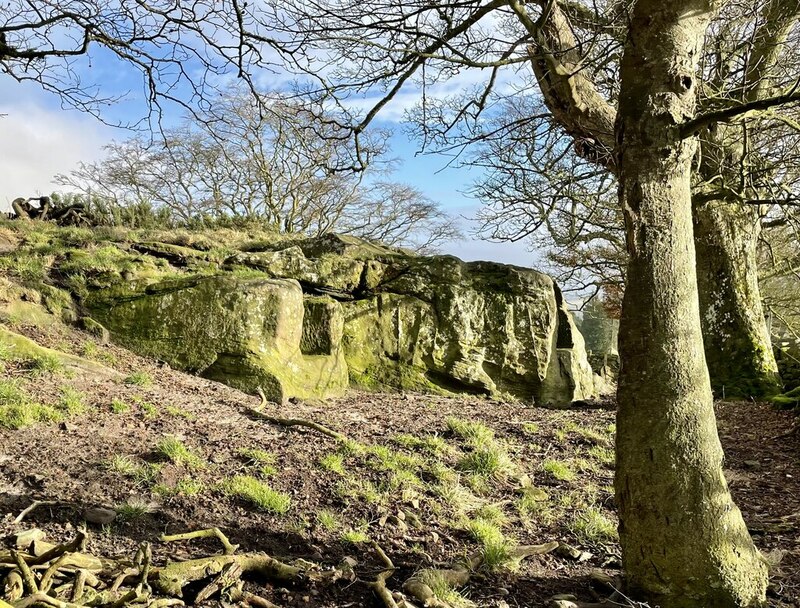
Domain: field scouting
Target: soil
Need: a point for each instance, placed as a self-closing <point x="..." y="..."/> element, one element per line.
<point x="66" y="463"/>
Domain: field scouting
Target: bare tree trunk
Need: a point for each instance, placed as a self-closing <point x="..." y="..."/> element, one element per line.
<point x="684" y="543"/>
<point x="737" y="343"/>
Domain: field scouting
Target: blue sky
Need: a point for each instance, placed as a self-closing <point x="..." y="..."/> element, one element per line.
<point x="40" y="139"/>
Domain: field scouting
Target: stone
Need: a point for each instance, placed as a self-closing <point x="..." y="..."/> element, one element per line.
<point x="303" y="318"/>
<point x="99" y="515"/>
<point x="23" y="540"/>
<point x="244" y="332"/>
<point x="96" y="329"/>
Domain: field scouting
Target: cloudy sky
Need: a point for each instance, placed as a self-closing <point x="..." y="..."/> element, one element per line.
<point x="40" y="139"/>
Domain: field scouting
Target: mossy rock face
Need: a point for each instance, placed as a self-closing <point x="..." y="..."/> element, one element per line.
<point x="245" y="332"/>
<point x="299" y="316"/>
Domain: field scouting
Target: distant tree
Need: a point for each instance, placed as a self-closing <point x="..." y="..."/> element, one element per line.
<point x="266" y="161"/>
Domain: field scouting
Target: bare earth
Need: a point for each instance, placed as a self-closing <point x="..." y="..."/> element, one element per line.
<point x="67" y="463"/>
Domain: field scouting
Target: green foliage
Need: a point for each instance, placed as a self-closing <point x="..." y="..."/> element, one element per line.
<point x="133" y="509"/>
<point x="46" y="363"/>
<point x="592" y="526"/>
<point x="118" y="406"/>
<point x="259" y="494"/>
<point x="17" y="410"/>
<point x="333" y="463"/>
<point x="530" y="428"/>
<point x="488" y="460"/>
<point x="356" y="536"/>
<point x="175" y="451"/>
<point x="475" y="433"/>
<point x="328" y="520"/>
<point x="142" y="473"/>
<point x="71" y="401"/>
<point x="139" y="379"/>
<point x="444" y="591"/>
<point x="558" y="470"/>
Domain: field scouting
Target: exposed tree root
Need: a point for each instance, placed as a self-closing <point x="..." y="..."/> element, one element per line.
<point x="56" y="578"/>
<point x="208" y="533"/>
<point x="289" y="422"/>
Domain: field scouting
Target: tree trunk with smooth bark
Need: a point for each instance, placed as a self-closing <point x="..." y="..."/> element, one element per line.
<point x="737" y="342"/>
<point x="684" y="542"/>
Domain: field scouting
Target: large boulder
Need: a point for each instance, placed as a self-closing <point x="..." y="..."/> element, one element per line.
<point x="296" y="317"/>
<point x="439" y="323"/>
<point x="245" y="332"/>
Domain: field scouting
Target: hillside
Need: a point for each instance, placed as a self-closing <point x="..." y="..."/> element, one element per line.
<point x="432" y="481"/>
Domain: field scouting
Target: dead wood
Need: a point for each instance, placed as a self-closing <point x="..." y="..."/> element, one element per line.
<point x="290" y="422"/>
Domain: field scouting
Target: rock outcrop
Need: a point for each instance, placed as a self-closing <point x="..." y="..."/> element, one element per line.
<point x="297" y="317"/>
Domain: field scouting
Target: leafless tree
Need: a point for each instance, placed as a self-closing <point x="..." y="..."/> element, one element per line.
<point x="274" y="166"/>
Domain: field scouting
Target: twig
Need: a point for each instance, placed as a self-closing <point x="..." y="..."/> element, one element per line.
<point x="27" y="511"/>
<point x="78" y="586"/>
<point x="257" y="413"/>
<point x="47" y="577"/>
<point x="379" y="585"/>
<point x="76" y="545"/>
<point x="230" y="549"/>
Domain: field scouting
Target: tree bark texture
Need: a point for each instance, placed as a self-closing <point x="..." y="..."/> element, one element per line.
<point x="684" y="543"/>
<point x="738" y="348"/>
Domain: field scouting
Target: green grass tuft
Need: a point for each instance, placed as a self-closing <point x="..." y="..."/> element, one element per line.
<point x="138" y="379"/>
<point x="174" y="450"/>
<point x="333" y="463"/>
<point x="475" y="433"/>
<point x="558" y="470"/>
<point x="488" y="460"/>
<point x="118" y="406"/>
<point x="71" y="402"/>
<point x="259" y="494"/>
<point x="592" y="526"/>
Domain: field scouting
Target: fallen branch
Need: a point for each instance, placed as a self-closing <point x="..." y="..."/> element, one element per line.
<point x="289" y="422"/>
<point x="30" y="508"/>
<point x="230" y="549"/>
<point x="379" y="584"/>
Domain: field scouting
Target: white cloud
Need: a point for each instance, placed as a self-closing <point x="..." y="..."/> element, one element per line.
<point x="39" y="142"/>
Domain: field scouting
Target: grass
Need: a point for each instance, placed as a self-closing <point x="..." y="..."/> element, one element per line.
<point x="124" y="465"/>
<point x="264" y="460"/>
<point x="488" y="460"/>
<point x="138" y="379"/>
<point x="495" y="546"/>
<point x="355" y="536"/>
<point x="149" y="410"/>
<point x="558" y="470"/>
<point x="328" y="520"/>
<point x="444" y="591"/>
<point x="333" y="463"/>
<point x="592" y="526"/>
<point x="46" y="364"/>
<point x="144" y="474"/>
<point x="431" y="444"/>
<point x="258" y="494"/>
<point x="71" y="401"/>
<point x="134" y="509"/>
<point x="118" y="406"/>
<point x="475" y="433"/>
<point x="530" y="428"/>
<point x="174" y="450"/>
<point x="179" y="412"/>
<point x="18" y="410"/>
<point x="603" y="455"/>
